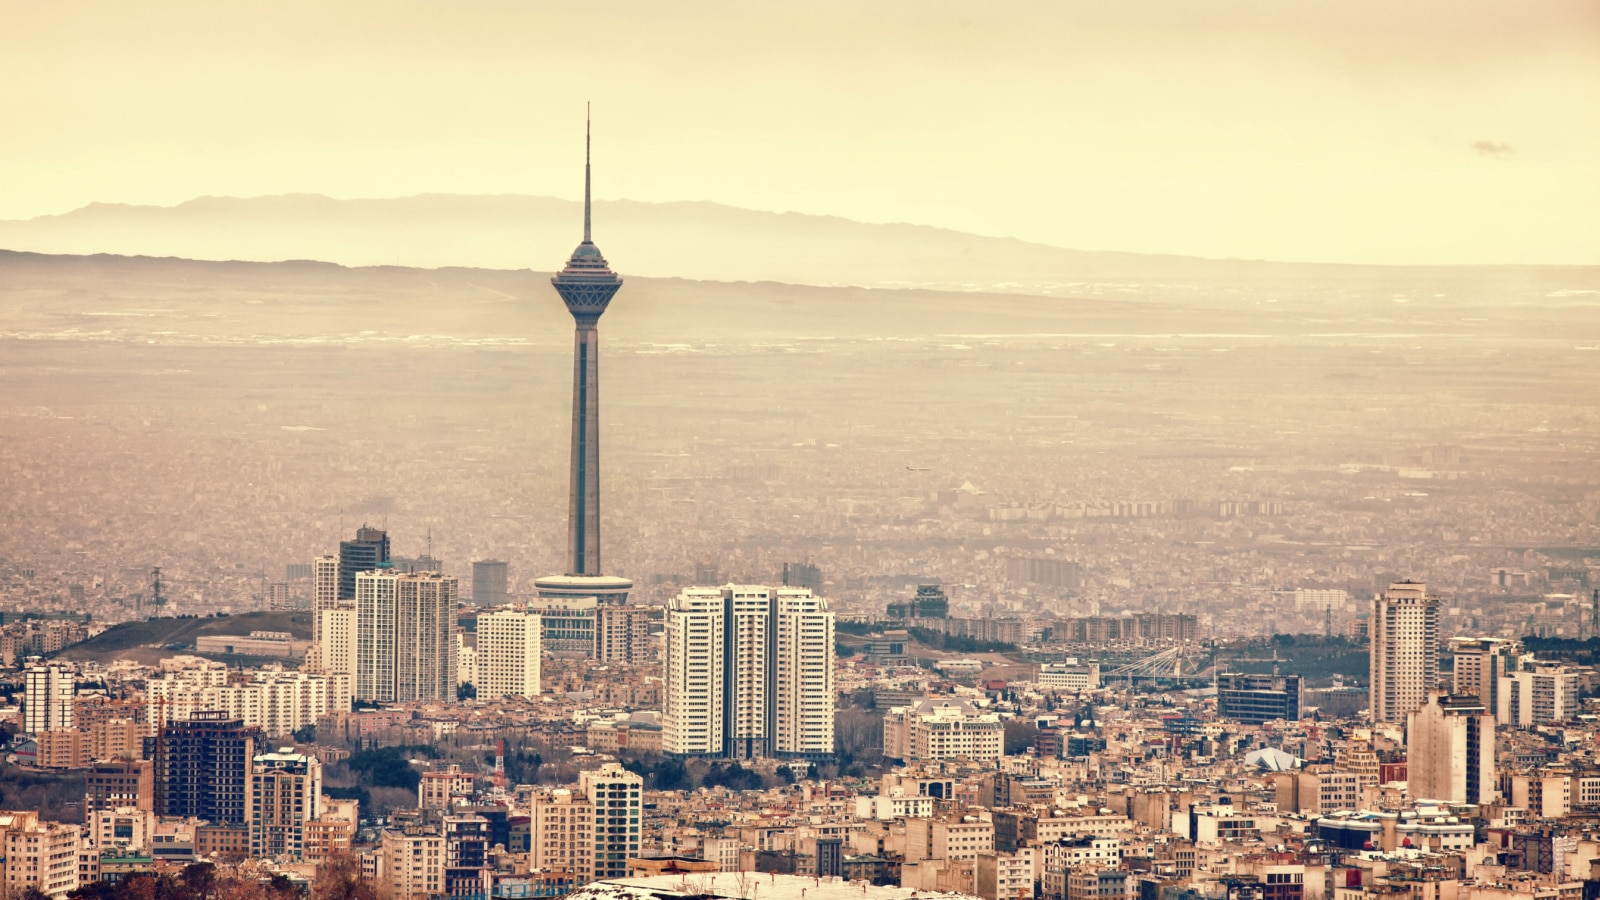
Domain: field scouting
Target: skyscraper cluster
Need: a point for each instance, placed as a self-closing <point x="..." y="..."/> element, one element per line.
<point x="749" y="673"/>
<point x="392" y="632"/>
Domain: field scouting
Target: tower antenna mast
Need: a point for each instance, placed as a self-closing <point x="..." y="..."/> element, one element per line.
<point x="588" y="132"/>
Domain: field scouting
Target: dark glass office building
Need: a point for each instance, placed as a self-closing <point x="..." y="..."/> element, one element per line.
<point x="1255" y="699"/>
<point x="370" y="550"/>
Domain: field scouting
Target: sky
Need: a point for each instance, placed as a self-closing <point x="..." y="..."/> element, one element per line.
<point x="1457" y="131"/>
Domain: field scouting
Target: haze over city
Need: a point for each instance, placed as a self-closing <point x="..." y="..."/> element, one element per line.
<point x="1140" y="451"/>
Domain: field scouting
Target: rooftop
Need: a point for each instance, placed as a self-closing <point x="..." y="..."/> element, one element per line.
<point x="748" y="886"/>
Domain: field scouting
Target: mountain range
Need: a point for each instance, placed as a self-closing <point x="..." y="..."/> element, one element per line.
<point x="693" y="240"/>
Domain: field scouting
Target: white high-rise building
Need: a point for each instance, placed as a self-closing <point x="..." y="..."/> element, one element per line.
<point x="47" y="701"/>
<point x="694" y="681"/>
<point x="508" y="653"/>
<point x="1537" y="694"/>
<point x="802" y="720"/>
<point x="405" y="636"/>
<point x="749" y="673"/>
<point x="466" y="659"/>
<point x="1405" y="650"/>
<point x="337" y="651"/>
<point x="324" y="591"/>
<point x="748" y="670"/>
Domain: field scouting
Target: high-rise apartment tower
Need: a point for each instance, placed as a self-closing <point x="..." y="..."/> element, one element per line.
<point x="749" y="673"/>
<point x="1405" y="650"/>
<point x="47" y="698"/>
<point x="324" y="591"/>
<point x="405" y="636"/>
<point x="508" y="654"/>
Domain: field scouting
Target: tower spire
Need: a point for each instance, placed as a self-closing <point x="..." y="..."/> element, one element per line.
<point x="588" y="127"/>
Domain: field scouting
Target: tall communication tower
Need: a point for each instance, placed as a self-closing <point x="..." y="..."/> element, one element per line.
<point x="156" y="599"/>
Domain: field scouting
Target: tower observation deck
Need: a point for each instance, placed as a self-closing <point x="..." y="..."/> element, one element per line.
<point x="586" y="286"/>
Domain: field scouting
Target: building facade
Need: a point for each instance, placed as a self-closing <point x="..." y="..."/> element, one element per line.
<point x="405" y="636"/>
<point x="1479" y="664"/>
<point x="285" y="793"/>
<point x="508" y="653"/>
<point x="203" y="768"/>
<point x="616" y="796"/>
<point x="47" y="698"/>
<point x="1257" y="699"/>
<point x="489" y="582"/>
<point x="1404" y="667"/>
<point x="324" y="591"/>
<point x="1450" y="750"/>
<point x="749" y="673"/>
<point x="942" y="728"/>
<point x="1537" y="694"/>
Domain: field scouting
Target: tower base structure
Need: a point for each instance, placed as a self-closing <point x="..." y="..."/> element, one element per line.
<point x="608" y="590"/>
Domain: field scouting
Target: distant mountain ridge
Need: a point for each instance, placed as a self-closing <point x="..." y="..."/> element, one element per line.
<point x="688" y="239"/>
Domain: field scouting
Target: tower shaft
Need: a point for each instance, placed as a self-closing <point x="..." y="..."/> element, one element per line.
<point x="583" y="506"/>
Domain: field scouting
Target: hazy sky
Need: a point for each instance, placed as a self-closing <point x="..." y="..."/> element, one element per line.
<point x="1386" y="131"/>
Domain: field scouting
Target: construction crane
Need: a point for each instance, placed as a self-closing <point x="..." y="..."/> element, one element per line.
<point x="499" y="777"/>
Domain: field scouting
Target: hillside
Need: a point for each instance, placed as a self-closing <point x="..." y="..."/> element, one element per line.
<point x="327" y="306"/>
<point x="679" y="240"/>
<point x="148" y="640"/>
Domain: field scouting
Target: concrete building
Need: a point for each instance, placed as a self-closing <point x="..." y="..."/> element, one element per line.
<point x="120" y="783"/>
<point x="1316" y="599"/>
<point x="1317" y="791"/>
<point x="1537" y="694"/>
<point x="1405" y="650"/>
<point x="203" y="769"/>
<point x="749" y="673"/>
<point x="443" y="789"/>
<point x="324" y="591"/>
<point x="412" y="863"/>
<point x="405" y="636"/>
<point x="466" y="856"/>
<point x="1480" y="663"/>
<point x="38" y="855"/>
<point x="508" y="654"/>
<point x="489" y="582"/>
<point x="1450" y="751"/>
<point x="622" y="633"/>
<point x="616" y="796"/>
<point x="561" y="835"/>
<point x="331" y="834"/>
<point x="1005" y="876"/>
<point x="1098" y="884"/>
<point x="285" y="793"/>
<point x="569" y="624"/>
<point x="47" y="697"/>
<point x="1068" y="676"/>
<point x="336" y="647"/>
<point x="1257" y="699"/>
<point x="802" y="655"/>
<point x="694" y="680"/>
<point x="943" y="728"/>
